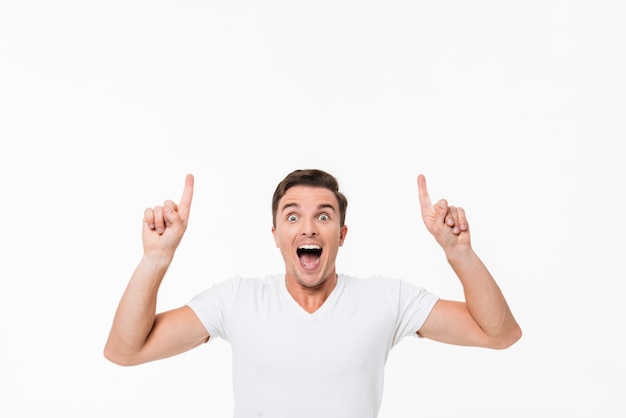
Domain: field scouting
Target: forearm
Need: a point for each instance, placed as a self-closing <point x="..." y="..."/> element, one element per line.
<point x="136" y="311"/>
<point x="483" y="296"/>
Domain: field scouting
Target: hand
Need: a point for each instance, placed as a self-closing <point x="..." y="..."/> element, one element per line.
<point x="164" y="226"/>
<point x="447" y="224"/>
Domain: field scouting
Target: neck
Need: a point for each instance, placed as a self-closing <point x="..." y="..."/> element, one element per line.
<point x="311" y="298"/>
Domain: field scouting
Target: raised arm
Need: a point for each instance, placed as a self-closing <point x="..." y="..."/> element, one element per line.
<point x="484" y="318"/>
<point x="138" y="335"/>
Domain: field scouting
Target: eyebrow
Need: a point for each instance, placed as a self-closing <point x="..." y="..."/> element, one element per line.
<point x="319" y="207"/>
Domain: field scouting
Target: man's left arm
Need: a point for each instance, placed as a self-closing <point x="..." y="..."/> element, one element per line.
<point x="484" y="318"/>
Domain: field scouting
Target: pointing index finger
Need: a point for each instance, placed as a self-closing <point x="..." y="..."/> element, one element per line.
<point x="424" y="198"/>
<point x="185" y="200"/>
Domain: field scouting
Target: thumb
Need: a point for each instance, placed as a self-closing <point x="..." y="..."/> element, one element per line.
<point x="441" y="210"/>
<point x="170" y="214"/>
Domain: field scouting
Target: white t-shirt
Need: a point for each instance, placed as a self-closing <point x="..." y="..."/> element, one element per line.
<point x="288" y="363"/>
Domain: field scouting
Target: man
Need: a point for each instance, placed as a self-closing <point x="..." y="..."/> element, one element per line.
<point x="309" y="342"/>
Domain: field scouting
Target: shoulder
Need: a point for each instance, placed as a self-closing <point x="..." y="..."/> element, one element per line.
<point x="375" y="282"/>
<point x="393" y="289"/>
<point x="258" y="284"/>
<point x="243" y="284"/>
<point x="222" y="296"/>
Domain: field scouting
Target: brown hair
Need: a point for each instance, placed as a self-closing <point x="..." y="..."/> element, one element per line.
<point x="311" y="178"/>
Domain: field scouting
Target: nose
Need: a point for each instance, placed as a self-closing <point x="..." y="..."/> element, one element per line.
<point x="309" y="228"/>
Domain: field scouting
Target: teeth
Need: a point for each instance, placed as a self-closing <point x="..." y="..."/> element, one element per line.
<point x="309" y="247"/>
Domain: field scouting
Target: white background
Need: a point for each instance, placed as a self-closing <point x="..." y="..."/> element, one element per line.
<point x="513" y="110"/>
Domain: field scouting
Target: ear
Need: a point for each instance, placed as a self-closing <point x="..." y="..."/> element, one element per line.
<point x="342" y="234"/>
<point x="275" y="234"/>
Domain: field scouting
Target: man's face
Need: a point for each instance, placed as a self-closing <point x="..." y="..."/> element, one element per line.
<point x="309" y="234"/>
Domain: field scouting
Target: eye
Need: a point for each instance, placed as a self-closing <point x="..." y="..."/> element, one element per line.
<point x="292" y="218"/>
<point x="324" y="217"/>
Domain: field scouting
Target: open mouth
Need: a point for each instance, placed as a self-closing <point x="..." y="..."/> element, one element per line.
<point x="309" y="255"/>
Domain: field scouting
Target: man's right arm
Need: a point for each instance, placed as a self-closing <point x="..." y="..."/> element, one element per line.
<point x="138" y="335"/>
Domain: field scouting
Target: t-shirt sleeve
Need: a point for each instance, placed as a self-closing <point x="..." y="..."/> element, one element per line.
<point x="212" y="305"/>
<point x="413" y="304"/>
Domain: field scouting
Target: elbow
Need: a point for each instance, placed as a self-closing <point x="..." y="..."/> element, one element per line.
<point x="117" y="357"/>
<point x="113" y="357"/>
<point x="508" y="339"/>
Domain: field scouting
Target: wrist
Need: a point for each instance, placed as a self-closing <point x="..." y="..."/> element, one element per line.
<point x="157" y="260"/>
<point x="459" y="254"/>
